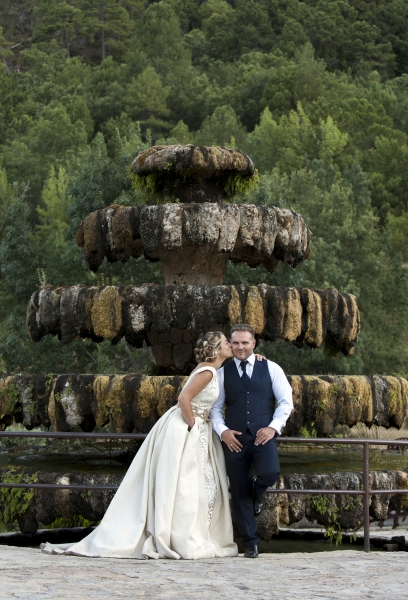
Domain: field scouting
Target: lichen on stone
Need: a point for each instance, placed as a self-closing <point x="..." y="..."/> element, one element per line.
<point x="234" y="307"/>
<point x="254" y="310"/>
<point x="185" y="234"/>
<point x="145" y="398"/>
<point x="107" y="313"/>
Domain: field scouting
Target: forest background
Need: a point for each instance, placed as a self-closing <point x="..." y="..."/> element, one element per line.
<point x="315" y="91"/>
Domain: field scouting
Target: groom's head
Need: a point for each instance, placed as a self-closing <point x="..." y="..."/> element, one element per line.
<point x="242" y="340"/>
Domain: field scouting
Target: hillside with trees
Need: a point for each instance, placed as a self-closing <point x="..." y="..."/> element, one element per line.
<point x="315" y="91"/>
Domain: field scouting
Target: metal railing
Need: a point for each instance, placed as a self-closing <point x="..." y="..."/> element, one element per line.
<point x="366" y="492"/>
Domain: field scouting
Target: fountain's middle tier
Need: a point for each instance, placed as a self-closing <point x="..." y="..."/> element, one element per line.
<point x="170" y="318"/>
<point x="195" y="241"/>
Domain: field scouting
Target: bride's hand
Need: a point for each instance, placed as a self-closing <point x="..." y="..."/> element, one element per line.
<point x="260" y="357"/>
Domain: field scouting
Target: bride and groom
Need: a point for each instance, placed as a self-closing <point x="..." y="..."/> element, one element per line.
<point x="173" y="501"/>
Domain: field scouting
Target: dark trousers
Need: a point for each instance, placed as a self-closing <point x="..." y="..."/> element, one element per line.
<point x="240" y="466"/>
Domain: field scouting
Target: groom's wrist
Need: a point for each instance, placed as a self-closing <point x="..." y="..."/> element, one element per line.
<point x="221" y="431"/>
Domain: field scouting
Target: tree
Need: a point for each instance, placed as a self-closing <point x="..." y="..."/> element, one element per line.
<point x="63" y="21"/>
<point x="112" y="25"/>
<point x="222" y="128"/>
<point x="53" y="218"/>
<point x="6" y="196"/>
<point x="5" y="51"/>
<point x="145" y="100"/>
<point x="158" y="42"/>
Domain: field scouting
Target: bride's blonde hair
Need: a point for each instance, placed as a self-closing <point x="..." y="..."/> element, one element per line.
<point x="208" y="346"/>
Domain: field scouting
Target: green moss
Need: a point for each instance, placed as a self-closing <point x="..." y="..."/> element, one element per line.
<point x="48" y="383"/>
<point x="9" y="397"/>
<point x="241" y="184"/>
<point x="153" y="184"/>
<point x="147" y="184"/>
<point x="320" y="503"/>
<point x="75" y="521"/>
<point x="14" y="502"/>
<point x="308" y="430"/>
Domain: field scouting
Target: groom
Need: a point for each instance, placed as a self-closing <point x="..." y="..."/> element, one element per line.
<point x="248" y="389"/>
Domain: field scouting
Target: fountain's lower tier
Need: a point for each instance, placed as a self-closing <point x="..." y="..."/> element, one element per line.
<point x="346" y="511"/>
<point x="135" y="402"/>
<point x="170" y="318"/>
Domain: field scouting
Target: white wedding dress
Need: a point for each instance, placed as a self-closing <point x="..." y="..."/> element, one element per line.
<point x="173" y="501"/>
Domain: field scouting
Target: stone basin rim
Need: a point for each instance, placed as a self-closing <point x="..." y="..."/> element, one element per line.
<point x="200" y="161"/>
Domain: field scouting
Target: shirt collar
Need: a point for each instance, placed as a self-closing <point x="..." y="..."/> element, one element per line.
<point x="250" y="359"/>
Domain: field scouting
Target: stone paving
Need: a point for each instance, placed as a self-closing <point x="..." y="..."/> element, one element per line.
<point x="29" y="574"/>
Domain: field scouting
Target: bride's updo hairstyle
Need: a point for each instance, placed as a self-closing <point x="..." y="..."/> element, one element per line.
<point x="208" y="346"/>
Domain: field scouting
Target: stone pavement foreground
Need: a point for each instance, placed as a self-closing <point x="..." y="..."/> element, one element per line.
<point x="27" y="573"/>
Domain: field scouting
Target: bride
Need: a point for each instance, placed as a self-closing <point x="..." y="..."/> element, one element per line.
<point x="173" y="501"/>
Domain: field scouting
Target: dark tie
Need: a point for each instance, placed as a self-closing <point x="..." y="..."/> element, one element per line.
<point x="243" y="367"/>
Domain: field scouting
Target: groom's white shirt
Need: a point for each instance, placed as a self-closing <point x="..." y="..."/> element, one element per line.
<point x="281" y="390"/>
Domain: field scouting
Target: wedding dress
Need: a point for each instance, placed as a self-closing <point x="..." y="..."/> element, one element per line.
<point x="173" y="501"/>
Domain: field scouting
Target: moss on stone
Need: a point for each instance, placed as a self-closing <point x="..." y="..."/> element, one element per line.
<point x="395" y="408"/>
<point x="193" y="173"/>
<point x="401" y="482"/>
<point x="292" y="320"/>
<point x="254" y="310"/>
<point x="9" y="396"/>
<point x="314" y="321"/>
<point x="166" y="397"/>
<point x="234" y="307"/>
<point x="107" y="313"/>
<point x="145" y="398"/>
<point x="101" y="391"/>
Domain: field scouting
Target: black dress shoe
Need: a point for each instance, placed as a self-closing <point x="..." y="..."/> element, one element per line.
<point x="258" y="502"/>
<point x="251" y="551"/>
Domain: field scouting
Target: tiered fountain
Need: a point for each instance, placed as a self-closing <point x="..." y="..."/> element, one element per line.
<point x="193" y="231"/>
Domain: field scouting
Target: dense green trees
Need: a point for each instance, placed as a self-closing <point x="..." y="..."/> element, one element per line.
<point x="315" y="91"/>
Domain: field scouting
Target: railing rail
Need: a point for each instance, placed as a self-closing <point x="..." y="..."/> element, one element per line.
<point x="366" y="492"/>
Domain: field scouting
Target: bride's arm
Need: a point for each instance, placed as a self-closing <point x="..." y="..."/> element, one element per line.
<point x="191" y="389"/>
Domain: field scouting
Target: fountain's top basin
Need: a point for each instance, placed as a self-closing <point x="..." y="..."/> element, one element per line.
<point x="193" y="173"/>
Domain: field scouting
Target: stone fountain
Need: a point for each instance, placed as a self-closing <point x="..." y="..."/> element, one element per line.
<point x="193" y="237"/>
<point x="193" y="229"/>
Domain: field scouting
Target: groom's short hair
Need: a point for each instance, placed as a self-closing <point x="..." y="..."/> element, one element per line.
<point x="243" y="327"/>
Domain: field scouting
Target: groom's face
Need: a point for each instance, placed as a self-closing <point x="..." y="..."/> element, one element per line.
<point x="242" y="344"/>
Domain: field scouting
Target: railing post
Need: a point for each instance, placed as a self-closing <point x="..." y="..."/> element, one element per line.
<point x="366" y="497"/>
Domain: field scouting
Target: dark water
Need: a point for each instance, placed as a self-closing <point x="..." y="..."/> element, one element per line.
<point x="276" y="546"/>
<point x="279" y="546"/>
<point x="96" y="457"/>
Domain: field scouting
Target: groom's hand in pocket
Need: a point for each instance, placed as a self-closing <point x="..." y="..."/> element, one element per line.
<point x="228" y="437"/>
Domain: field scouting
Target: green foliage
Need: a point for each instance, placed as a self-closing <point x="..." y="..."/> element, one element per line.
<point x="69" y="522"/>
<point x="308" y="430"/>
<point x="323" y="506"/>
<point x="9" y="397"/>
<point x="15" y="501"/>
<point x="222" y="128"/>
<point x="238" y="184"/>
<point x="315" y="91"/>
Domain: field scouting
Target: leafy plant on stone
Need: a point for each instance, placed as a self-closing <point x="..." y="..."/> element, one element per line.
<point x="15" y="501"/>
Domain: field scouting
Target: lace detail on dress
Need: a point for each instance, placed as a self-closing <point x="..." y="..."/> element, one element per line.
<point x="210" y="483"/>
<point x="201" y="405"/>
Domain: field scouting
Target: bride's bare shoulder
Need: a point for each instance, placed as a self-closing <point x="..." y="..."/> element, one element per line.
<point x="206" y="366"/>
